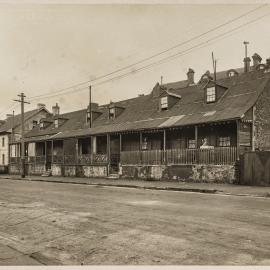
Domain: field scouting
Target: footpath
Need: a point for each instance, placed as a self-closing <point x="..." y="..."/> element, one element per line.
<point x="212" y="188"/>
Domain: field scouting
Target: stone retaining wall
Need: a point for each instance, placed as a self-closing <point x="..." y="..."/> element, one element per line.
<point x="192" y="173"/>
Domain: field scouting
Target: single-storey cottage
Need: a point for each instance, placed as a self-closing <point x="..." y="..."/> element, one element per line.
<point x="181" y="130"/>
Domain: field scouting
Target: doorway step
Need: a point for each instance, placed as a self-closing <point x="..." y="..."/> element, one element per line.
<point x="113" y="176"/>
<point x="47" y="173"/>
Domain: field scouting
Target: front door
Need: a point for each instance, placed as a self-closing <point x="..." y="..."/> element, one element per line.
<point x="48" y="146"/>
<point x="114" y="153"/>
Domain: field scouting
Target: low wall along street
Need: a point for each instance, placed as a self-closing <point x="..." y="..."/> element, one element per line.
<point x="194" y="173"/>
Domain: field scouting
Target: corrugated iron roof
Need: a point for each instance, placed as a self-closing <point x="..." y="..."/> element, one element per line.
<point x="143" y="112"/>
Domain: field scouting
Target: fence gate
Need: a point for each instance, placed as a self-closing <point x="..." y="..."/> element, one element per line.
<point x="255" y="168"/>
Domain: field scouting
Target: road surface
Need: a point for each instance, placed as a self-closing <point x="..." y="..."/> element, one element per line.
<point x="53" y="223"/>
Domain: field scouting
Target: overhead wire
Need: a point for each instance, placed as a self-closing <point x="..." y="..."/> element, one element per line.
<point x="150" y="57"/>
<point x="166" y="59"/>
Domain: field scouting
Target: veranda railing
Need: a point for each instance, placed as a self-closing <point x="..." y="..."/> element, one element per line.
<point x="217" y="156"/>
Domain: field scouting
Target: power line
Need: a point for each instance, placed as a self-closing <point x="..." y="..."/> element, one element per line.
<point x="7" y="109"/>
<point x="168" y="58"/>
<point x="155" y="55"/>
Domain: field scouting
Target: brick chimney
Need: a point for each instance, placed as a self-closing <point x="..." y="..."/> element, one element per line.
<point x="55" y="109"/>
<point x="41" y="105"/>
<point x="256" y="60"/>
<point x="247" y="61"/>
<point x="190" y="76"/>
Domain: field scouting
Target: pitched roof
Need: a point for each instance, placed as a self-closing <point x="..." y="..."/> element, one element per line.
<point x="142" y="112"/>
<point x="9" y="124"/>
<point x="176" y="85"/>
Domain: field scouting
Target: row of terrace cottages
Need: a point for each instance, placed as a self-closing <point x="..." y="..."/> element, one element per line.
<point x="181" y="130"/>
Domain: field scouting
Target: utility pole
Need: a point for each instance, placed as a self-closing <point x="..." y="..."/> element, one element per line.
<point x="246" y="43"/>
<point x="90" y="106"/>
<point x="214" y="66"/>
<point x="22" y="96"/>
<point x="12" y="125"/>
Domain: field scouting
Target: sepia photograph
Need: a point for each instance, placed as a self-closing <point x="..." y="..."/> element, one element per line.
<point x="134" y="133"/>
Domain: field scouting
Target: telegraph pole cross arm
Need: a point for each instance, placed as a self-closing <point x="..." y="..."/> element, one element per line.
<point x="21" y="100"/>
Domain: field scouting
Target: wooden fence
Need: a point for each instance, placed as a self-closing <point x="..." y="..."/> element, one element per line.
<point x="217" y="156"/>
<point x="255" y="168"/>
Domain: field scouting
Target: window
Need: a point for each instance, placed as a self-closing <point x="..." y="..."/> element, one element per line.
<point x="164" y="103"/>
<point x="211" y="94"/>
<point x="3" y="142"/>
<point x="41" y="125"/>
<point x="56" y="123"/>
<point x="231" y="74"/>
<point x="224" y="141"/>
<point x="111" y="113"/>
<point x="3" y="159"/>
<point x="191" y="144"/>
<point x="88" y="116"/>
<point x="144" y="144"/>
<point x="35" y="123"/>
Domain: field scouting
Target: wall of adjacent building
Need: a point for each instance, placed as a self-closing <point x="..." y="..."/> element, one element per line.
<point x="262" y="121"/>
<point x="4" y="149"/>
<point x="29" y="122"/>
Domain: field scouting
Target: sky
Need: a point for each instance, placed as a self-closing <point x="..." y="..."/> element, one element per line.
<point x="47" y="47"/>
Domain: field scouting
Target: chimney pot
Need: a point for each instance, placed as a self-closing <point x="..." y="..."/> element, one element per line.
<point x="55" y="110"/>
<point x="247" y="61"/>
<point x="190" y="76"/>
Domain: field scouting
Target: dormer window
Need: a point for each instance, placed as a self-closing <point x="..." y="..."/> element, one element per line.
<point x="56" y="123"/>
<point x="232" y="73"/>
<point x="35" y="123"/>
<point x="210" y="94"/>
<point x="111" y="113"/>
<point x="164" y="103"/>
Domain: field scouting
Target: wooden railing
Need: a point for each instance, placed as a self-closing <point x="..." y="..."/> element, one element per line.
<point x="57" y="159"/>
<point x="35" y="159"/>
<point x="14" y="160"/>
<point x="66" y="159"/>
<point x="217" y="156"/>
<point x="69" y="159"/>
<point x="92" y="159"/>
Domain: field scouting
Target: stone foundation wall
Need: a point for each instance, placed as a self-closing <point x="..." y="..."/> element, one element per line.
<point x="56" y="170"/>
<point x="35" y="169"/>
<point x="79" y="170"/>
<point x="14" y="169"/>
<point x="192" y="173"/>
<point x="3" y="169"/>
<point x="94" y="171"/>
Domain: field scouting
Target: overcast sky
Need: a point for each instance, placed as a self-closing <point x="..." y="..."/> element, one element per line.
<point x="44" y="48"/>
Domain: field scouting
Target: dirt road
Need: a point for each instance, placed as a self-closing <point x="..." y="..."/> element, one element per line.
<point x="53" y="223"/>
